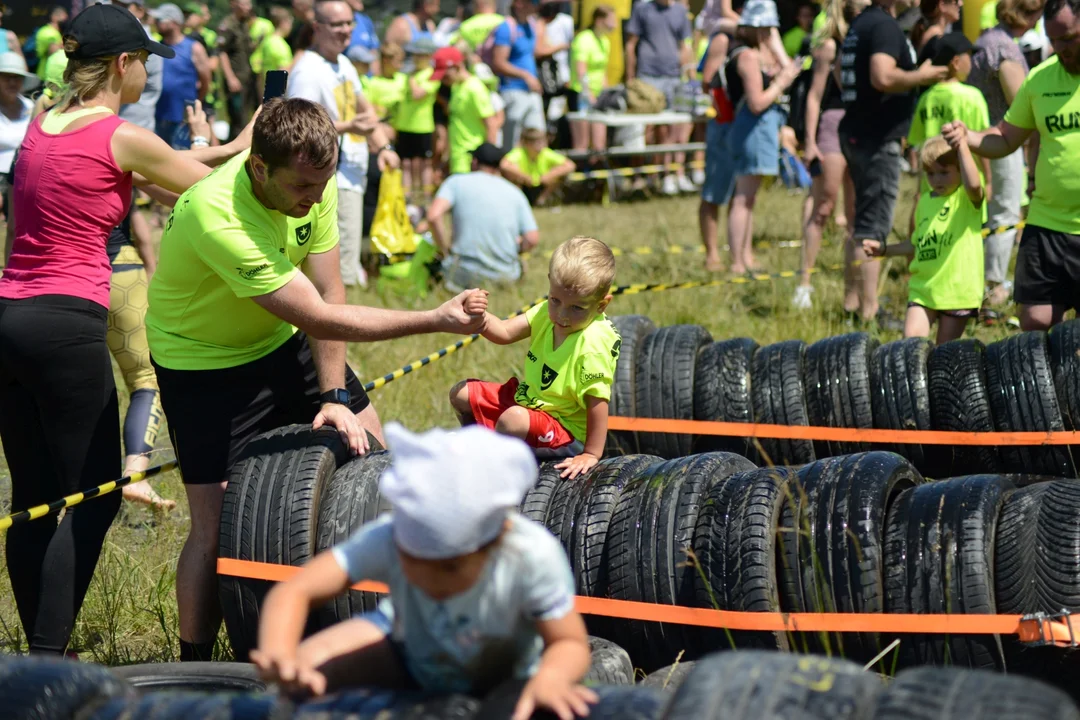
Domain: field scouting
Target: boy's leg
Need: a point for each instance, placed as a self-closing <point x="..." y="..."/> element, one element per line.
<point x="950" y="327"/>
<point x="351" y="653"/>
<point x="459" y="400"/>
<point x="918" y="320"/>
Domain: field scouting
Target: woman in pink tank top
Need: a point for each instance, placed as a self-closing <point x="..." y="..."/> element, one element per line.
<point x="59" y="418"/>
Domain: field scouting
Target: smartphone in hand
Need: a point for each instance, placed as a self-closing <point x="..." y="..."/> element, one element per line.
<point x="276" y="80"/>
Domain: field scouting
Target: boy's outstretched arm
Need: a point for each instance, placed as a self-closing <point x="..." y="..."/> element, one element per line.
<point x="284" y="614"/>
<point x="505" y="332"/>
<point x="969" y="175"/>
<point x="564" y="663"/>
<point x="595" y="440"/>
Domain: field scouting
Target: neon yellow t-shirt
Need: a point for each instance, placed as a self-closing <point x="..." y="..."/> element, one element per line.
<point x="417" y="116"/>
<point x="942" y="103"/>
<point x="556" y="381"/>
<point x="46" y="36"/>
<point x="259" y="30"/>
<point x="595" y="51"/>
<point x="470" y="104"/>
<point x="793" y="40"/>
<point x="988" y="15"/>
<point x="545" y="162"/>
<point x="947" y="271"/>
<point x="274" y="54"/>
<point x="1049" y="102"/>
<point x="54" y="74"/>
<point x="384" y="92"/>
<point x="220" y="248"/>
<point x="474" y="31"/>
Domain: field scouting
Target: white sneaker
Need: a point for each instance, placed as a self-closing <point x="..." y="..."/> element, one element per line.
<point x="685" y="185"/>
<point x="698" y="177"/>
<point x="803" y="297"/>
<point x="670" y="186"/>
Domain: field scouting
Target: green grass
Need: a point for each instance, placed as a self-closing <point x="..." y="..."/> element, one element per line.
<point x="130" y="612"/>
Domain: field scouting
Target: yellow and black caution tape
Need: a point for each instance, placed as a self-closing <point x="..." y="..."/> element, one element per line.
<point x="71" y="500"/>
<point x="987" y="232"/>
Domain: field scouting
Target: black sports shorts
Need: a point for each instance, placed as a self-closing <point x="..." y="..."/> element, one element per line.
<point x="1048" y="268"/>
<point x="214" y="414"/>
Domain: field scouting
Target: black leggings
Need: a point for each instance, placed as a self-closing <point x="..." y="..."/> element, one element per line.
<point x="60" y="426"/>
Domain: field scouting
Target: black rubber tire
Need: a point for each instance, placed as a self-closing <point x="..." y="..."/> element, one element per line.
<point x="831" y="543"/>
<point x="939" y="558"/>
<point x="537" y="502"/>
<point x="192" y="677"/>
<point x="376" y="704"/>
<point x="1023" y="399"/>
<point x="779" y="398"/>
<point x="837" y="382"/>
<point x="668" y="678"/>
<point x="269" y="515"/>
<point x="610" y="664"/>
<point x="351" y="500"/>
<point x="664" y="385"/>
<point x="950" y="693"/>
<point x="901" y="400"/>
<point x="735" y="544"/>
<point x="632" y="330"/>
<point x="762" y="685"/>
<point x="722" y="392"/>
<point x="191" y="705"/>
<point x="960" y="401"/>
<point x="34" y="688"/>
<point x="1064" y="344"/>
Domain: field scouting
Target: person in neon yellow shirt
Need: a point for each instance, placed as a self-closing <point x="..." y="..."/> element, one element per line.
<point x="414" y="121"/>
<point x="804" y="22"/>
<point x="274" y="52"/>
<point x="946" y="282"/>
<point x="386" y="89"/>
<point x="259" y="30"/>
<point x="589" y="56"/>
<point x="472" y="118"/>
<point x="48" y="39"/>
<point x="534" y="167"/>
<point x="561" y="402"/>
<point x="472" y="32"/>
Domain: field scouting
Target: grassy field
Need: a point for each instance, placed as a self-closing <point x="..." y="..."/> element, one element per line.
<point x="130" y="612"/>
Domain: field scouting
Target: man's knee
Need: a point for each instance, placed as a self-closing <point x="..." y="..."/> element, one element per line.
<point x="513" y="421"/>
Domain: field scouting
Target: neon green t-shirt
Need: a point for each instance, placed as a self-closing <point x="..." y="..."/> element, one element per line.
<point x="947" y="271"/>
<point x="557" y="381"/>
<point x="1049" y="103"/>
<point x="793" y="40"/>
<point x="54" y="74"/>
<point x="545" y="162"/>
<point x="220" y="248"/>
<point x="988" y="15"/>
<point x="384" y="92"/>
<point x="474" y="31"/>
<point x="260" y="30"/>
<point x="595" y="51"/>
<point x="46" y="35"/>
<point x="942" y="103"/>
<point x="417" y="116"/>
<point x="274" y="54"/>
<point x="470" y="105"/>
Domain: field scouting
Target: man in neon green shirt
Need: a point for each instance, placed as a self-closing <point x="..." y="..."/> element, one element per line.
<point x="472" y="33"/>
<point x="534" y="167"/>
<point x="472" y="119"/>
<point x="48" y="39"/>
<point x="274" y="53"/>
<point x="249" y="272"/>
<point x="1048" y="102"/>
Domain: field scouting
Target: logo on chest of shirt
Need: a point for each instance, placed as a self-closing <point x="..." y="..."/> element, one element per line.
<point x="547" y="376"/>
<point x="303" y="234"/>
<point x="1062" y="122"/>
<point x="944" y="212"/>
<point x="530" y="356"/>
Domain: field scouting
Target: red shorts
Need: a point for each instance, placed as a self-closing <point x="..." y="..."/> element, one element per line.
<point x="489" y="400"/>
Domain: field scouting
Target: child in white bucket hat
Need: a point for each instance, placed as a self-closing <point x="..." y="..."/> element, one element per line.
<point x="478" y="594"/>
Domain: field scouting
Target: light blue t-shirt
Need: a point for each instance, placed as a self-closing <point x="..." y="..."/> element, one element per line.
<point x="472" y="641"/>
<point x="489" y="214"/>
<point x="522" y="44"/>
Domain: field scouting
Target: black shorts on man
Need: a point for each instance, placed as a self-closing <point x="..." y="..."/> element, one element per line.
<point x="1048" y="268"/>
<point x="214" y="414"/>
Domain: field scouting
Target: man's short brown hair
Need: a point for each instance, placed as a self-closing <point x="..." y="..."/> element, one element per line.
<point x="294" y="128"/>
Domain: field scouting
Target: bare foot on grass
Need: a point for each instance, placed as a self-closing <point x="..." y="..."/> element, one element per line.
<point x="143" y="494"/>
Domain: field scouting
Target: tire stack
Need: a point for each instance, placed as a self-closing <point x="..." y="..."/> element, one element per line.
<point x="1029" y="382"/>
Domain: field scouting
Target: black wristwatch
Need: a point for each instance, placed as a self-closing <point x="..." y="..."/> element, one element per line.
<point x="337" y="396"/>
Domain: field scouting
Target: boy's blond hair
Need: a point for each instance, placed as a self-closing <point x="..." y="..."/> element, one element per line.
<point x="529" y="135"/>
<point x="937" y="151"/>
<point x="584" y="266"/>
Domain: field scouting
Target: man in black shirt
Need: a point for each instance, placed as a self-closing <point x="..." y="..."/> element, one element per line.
<point x="877" y="74"/>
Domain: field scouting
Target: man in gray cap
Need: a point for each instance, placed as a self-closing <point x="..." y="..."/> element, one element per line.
<point x="185" y="77"/>
<point x="143" y="111"/>
<point x="478" y="594"/>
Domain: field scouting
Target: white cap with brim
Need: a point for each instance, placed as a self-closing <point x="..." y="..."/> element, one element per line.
<point x="12" y="63"/>
<point x="451" y="492"/>
<point x="759" y="14"/>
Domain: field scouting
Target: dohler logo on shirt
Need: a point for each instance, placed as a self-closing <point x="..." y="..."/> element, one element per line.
<point x="303" y="234"/>
<point x="547" y="376"/>
<point x="248" y="274"/>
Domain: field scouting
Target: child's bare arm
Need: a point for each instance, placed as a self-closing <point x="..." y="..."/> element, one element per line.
<point x="506" y="332"/>
<point x="564" y="663"/>
<point x="969" y="174"/>
<point x="595" y="440"/>
<point x="902" y="248"/>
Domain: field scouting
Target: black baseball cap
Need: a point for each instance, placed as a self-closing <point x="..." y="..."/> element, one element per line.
<point x="948" y="46"/>
<point x="488" y="154"/>
<point x="106" y="30"/>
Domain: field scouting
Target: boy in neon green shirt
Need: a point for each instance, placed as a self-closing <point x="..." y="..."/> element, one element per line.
<point x="561" y="404"/>
<point x="534" y="167"/>
<point x="274" y="52"/>
<point x="47" y="39"/>
<point x="472" y="118"/>
<point x="947" y="266"/>
<point x="385" y="90"/>
<point x="414" y="121"/>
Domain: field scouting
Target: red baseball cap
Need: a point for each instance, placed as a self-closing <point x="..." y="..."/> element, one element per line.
<point x="444" y="59"/>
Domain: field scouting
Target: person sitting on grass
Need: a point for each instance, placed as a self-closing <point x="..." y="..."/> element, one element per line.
<point x="534" y="167"/>
<point x="562" y="402"/>
<point x="947" y="268"/>
<point x="479" y="595"/>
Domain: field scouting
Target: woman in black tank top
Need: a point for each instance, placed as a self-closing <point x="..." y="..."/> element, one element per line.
<point x="824" y="110"/>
